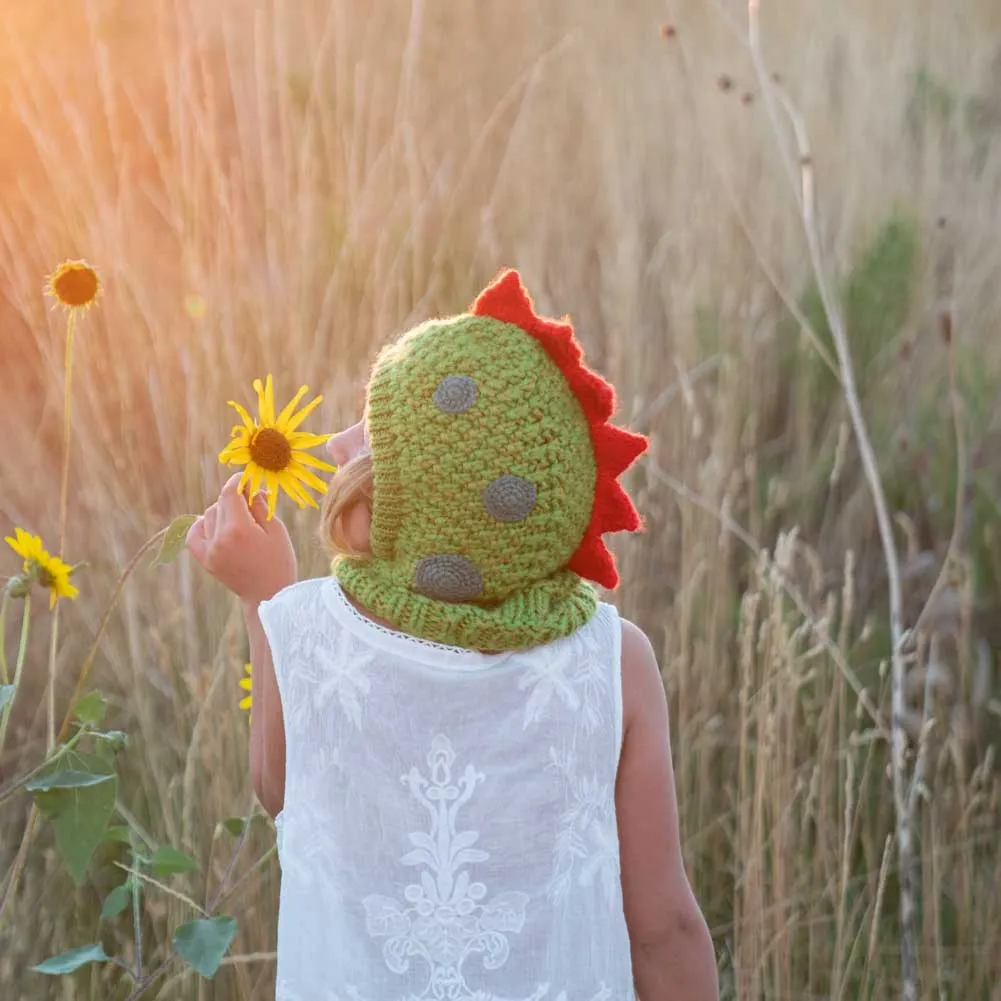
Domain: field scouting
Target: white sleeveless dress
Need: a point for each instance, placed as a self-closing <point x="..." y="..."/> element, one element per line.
<point x="449" y="825"/>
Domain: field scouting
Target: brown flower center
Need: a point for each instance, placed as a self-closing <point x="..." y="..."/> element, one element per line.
<point x="45" y="578"/>
<point x="270" y="449"/>
<point x="76" y="287"/>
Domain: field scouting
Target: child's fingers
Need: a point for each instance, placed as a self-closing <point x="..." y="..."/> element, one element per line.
<point x="209" y="521"/>
<point x="196" y="541"/>
<point x="232" y="503"/>
<point x="259" y="509"/>
<point x="232" y="485"/>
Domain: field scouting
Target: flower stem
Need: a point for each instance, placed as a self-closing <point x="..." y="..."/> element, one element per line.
<point x="106" y="618"/>
<point x="136" y="917"/>
<point x="22" y="651"/>
<point x="4" y="673"/>
<point x="51" y="694"/>
<point x="67" y="431"/>
<point x="63" y="510"/>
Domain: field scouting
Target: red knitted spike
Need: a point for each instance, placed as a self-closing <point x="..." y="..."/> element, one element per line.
<point x="617" y="513"/>
<point x="564" y="351"/>
<point x="507" y="300"/>
<point x="593" y="561"/>
<point x="615" y="449"/>
<point x="596" y="396"/>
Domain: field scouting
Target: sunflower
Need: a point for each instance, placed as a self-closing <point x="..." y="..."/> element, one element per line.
<point x="247" y="684"/>
<point x="75" y="285"/>
<point x="272" y="449"/>
<point x="50" y="571"/>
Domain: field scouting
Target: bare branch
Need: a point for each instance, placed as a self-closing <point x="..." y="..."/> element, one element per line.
<point x="902" y="798"/>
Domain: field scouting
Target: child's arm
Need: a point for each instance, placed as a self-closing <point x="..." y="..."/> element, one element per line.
<point x="253" y="558"/>
<point x="672" y="952"/>
<point x="267" y="727"/>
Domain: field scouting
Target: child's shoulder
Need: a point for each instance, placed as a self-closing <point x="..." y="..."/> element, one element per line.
<point x="301" y="594"/>
<point x="642" y="683"/>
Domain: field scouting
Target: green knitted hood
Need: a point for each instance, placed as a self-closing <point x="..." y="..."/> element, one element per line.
<point x="494" y="477"/>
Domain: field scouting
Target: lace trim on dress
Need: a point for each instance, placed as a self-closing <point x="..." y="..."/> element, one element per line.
<point x="439" y="655"/>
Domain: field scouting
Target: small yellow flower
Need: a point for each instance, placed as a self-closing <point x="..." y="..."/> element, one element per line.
<point x="75" y="285"/>
<point x="247" y="684"/>
<point x="50" y="571"/>
<point x="271" y="448"/>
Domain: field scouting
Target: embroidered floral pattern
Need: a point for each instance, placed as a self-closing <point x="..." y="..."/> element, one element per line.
<point x="325" y="669"/>
<point x="338" y="674"/>
<point x="447" y="918"/>
<point x="587" y="843"/>
<point x="573" y="673"/>
<point x="315" y="860"/>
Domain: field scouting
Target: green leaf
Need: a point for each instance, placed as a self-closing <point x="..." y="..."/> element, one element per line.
<point x="116" y="738"/>
<point x="166" y="861"/>
<point x="80" y="813"/>
<point x="67" y="962"/>
<point x="173" y="540"/>
<point x="233" y="825"/>
<point x="118" y="832"/>
<point x="117" y="900"/>
<point x="91" y="708"/>
<point x="6" y="694"/>
<point x="203" y="943"/>
<point x="68" y="779"/>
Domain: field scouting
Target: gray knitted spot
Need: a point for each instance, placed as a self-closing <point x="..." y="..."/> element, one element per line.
<point x="455" y="394"/>
<point x="448" y="578"/>
<point x="509" y="498"/>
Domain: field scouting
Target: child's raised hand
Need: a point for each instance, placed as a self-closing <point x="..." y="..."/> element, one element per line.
<point x="237" y="545"/>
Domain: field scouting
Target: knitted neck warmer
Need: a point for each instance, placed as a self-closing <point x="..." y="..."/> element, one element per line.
<point x="495" y="477"/>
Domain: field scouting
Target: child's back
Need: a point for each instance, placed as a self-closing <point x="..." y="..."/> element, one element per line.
<point x="449" y="824"/>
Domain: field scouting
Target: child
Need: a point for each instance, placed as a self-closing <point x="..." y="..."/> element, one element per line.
<point x="466" y="753"/>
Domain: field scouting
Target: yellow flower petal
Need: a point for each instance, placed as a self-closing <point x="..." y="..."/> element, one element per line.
<point x="271" y="481"/>
<point x="248" y="422"/>
<point x="246" y="703"/>
<point x="308" y="460"/>
<point x="310" y="479"/>
<point x="234" y="454"/>
<point x="28" y="547"/>
<point x="269" y="390"/>
<point x="287" y="484"/>
<point x="302" y="439"/>
<point x="303" y="414"/>
<point x="265" y="401"/>
<point x="256" y="478"/>
<point x="247" y="684"/>
<point x="290" y="408"/>
<point x="292" y="488"/>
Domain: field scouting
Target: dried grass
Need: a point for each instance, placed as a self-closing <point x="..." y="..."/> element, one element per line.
<point x="322" y="174"/>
